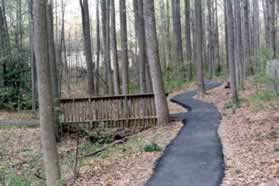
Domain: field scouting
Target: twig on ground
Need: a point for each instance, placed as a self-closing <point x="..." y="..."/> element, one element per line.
<point x="105" y="147"/>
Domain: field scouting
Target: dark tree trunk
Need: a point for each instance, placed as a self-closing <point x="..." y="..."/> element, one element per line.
<point x="188" y="38"/>
<point x="154" y="62"/>
<point x="98" y="47"/>
<point x="124" y="47"/>
<point x="87" y="45"/>
<point x="116" y="78"/>
<point x="231" y="49"/>
<point x="139" y="23"/>
<point x="199" y="46"/>
<point x="51" y="160"/>
<point x="178" y="50"/>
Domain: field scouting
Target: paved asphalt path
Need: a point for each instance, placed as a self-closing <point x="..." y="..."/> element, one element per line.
<point x="195" y="157"/>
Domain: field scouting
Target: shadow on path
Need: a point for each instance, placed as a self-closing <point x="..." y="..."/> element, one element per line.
<point x="195" y="157"/>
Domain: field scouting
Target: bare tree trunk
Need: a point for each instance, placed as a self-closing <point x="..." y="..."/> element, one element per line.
<point x="199" y="47"/>
<point x="178" y="51"/>
<point x="217" y="43"/>
<point x="154" y="62"/>
<point x="51" y="160"/>
<point x="256" y="31"/>
<point x="238" y="43"/>
<point x="139" y="23"/>
<point x="273" y="27"/>
<point x="124" y="47"/>
<point x="116" y="78"/>
<point x="87" y="45"/>
<point x="162" y="36"/>
<point x="231" y="47"/>
<point x="51" y="52"/>
<point x="97" y="48"/>
<point x="188" y="38"/>
<point x="169" y="49"/>
<point x="248" y="68"/>
<point x="105" y="4"/>
<point x="210" y="40"/>
<point x="32" y="57"/>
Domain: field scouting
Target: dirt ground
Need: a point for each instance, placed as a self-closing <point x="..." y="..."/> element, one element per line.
<point x="122" y="164"/>
<point x="250" y="139"/>
<point x="135" y="168"/>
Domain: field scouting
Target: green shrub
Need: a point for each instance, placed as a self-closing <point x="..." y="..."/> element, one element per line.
<point x="15" y="180"/>
<point x="152" y="148"/>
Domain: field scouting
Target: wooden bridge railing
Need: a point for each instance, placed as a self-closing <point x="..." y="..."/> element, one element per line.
<point x="131" y="111"/>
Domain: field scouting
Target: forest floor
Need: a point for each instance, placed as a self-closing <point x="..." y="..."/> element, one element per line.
<point x="127" y="163"/>
<point x="250" y="136"/>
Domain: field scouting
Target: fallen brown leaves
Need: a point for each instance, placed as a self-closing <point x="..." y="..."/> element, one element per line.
<point x="250" y="141"/>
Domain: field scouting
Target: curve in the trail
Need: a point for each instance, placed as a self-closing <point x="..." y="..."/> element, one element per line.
<point x="194" y="157"/>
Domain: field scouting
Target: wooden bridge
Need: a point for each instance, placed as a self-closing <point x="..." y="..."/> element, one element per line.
<point x="130" y="111"/>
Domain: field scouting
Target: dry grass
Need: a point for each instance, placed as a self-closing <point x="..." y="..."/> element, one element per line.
<point x="4" y="115"/>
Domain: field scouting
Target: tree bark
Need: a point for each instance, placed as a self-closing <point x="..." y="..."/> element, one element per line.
<point x="178" y="51"/>
<point x="116" y="78"/>
<point x="87" y="45"/>
<point x="199" y="47"/>
<point x="139" y="25"/>
<point x="51" y="160"/>
<point x="124" y="47"/>
<point x="154" y="62"/>
<point x="273" y="27"/>
<point x="32" y="58"/>
<point x="51" y="52"/>
<point x="98" y="47"/>
<point x="188" y="38"/>
<point x="231" y="48"/>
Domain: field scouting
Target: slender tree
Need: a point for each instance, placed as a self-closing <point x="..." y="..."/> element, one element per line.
<point x="116" y="78"/>
<point x="124" y="47"/>
<point x="87" y="45"/>
<point x="45" y="94"/>
<point x="178" y="50"/>
<point x="154" y="62"/>
<point x="51" y="51"/>
<point x="188" y="38"/>
<point x="139" y="26"/>
<point x="231" y="49"/>
<point x="105" y="5"/>
<point x="32" y="57"/>
<point x="199" y="46"/>
<point x="273" y="27"/>
<point x="98" y="48"/>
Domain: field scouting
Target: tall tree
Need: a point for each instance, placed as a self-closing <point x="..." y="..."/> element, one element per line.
<point x="116" y="78"/>
<point x="32" y="57"/>
<point x="87" y="45"/>
<point x="154" y="62"/>
<point x="98" y="47"/>
<point x="105" y="5"/>
<point x="188" y="38"/>
<point x="199" y="46"/>
<point x="51" y="160"/>
<point x="51" y="51"/>
<point x="124" y="47"/>
<point x="231" y="49"/>
<point x="248" y="68"/>
<point x="139" y="24"/>
<point x="273" y="27"/>
<point x="210" y="39"/>
<point x="178" y="50"/>
<point x="256" y="30"/>
<point x="238" y="42"/>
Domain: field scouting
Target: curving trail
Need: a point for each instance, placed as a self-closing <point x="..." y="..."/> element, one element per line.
<point x="195" y="157"/>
